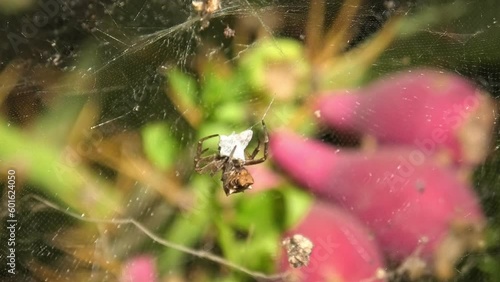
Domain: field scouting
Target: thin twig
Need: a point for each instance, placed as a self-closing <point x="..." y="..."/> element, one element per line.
<point x="168" y="244"/>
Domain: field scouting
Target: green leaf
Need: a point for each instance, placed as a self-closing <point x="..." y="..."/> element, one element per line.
<point x="255" y="251"/>
<point x="297" y="204"/>
<point x="184" y="86"/>
<point x="489" y="264"/>
<point x="273" y="62"/>
<point x="216" y="90"/>
<point x="231" y="113"/>
<point x="227" y="241"/>
<point x="259" y="252"/>
<point x="53" y="171"/>
<point x="160" y="145"/>
<point x="251" y="236"/>
<point x="262" y="212"/>
<point x="188" y="229"/>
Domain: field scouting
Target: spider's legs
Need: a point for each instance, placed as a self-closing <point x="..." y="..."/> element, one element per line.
<point x="198" y="159"/>
<point x="255" y="151"/>
<point x="251" y="161"/>
<point x="199" y="150"/>
<point x="210" y="164"/>
<point x="200" y="143"/>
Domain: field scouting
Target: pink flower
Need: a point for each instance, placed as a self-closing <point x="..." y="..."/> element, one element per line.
<point x="407" y="200"/>
<point x="431" y="110"/>
<point x="139" y="269"/>
<point x="343" y="248"/>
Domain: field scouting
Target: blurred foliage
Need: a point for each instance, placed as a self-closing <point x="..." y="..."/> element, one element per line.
<point x="487" y="182"/>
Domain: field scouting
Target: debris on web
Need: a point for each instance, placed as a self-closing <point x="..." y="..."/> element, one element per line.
<point x="298" y="249"/>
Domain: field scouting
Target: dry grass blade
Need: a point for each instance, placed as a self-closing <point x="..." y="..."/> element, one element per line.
<point x="336" y="37"/>
<point x="314" y="27"/>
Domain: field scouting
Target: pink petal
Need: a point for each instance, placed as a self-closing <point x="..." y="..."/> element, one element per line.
<point x="343" y="249"/>
<point x="140" y="268"/>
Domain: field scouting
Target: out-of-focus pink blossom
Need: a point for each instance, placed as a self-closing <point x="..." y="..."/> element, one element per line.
<point x="343" y="249"/>
<point x="431" y="110"/>
<point x="264" y="178"/>
<point x="408" y="201"/>
<point x="139" y="269"/>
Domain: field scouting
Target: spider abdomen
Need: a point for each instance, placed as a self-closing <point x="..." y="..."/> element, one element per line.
<point x="238" y="180"/>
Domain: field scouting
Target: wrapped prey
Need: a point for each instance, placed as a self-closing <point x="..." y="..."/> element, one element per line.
<point x="413" y="206"/>
<point x="434" y="111"/>
<point x="341" y="248"/>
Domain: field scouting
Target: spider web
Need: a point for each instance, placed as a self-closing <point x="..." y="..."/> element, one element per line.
<point x="123" y="51"/>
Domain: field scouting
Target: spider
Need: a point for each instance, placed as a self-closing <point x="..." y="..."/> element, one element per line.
<point x="232" y="162"/>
